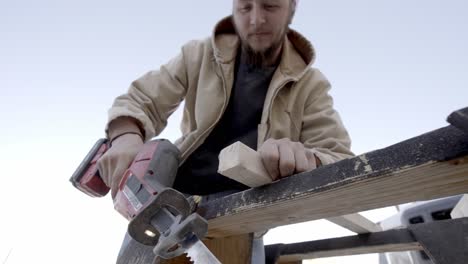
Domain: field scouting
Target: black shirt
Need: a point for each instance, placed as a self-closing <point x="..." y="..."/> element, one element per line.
<point x="198" y="174"/>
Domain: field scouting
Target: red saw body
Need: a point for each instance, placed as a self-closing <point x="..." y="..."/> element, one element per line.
<point x="159" y="215"/>
<point x="86" y="177"/>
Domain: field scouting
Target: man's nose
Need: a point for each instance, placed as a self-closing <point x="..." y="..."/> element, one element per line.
<point x="257" y="16"/>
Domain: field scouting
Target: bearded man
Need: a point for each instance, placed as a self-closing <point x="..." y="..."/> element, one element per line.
<point x="251" y="81"/>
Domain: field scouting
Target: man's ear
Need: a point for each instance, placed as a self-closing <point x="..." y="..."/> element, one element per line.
<point x="294" y="4"/>
<point x="293" y="10"/>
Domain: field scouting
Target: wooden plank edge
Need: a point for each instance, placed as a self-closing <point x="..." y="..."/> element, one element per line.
<point x="243" y="164"/>
<point x="439" y="152"/>
<point x="355" y="223"/>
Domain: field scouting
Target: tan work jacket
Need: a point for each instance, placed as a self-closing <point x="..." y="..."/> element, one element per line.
<point x="297" y="104"/>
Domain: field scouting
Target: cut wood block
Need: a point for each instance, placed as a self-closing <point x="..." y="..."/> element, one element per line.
<point x="232" y="250"/>
<point x="461" y="209"/>
<point x="243" y="164"/>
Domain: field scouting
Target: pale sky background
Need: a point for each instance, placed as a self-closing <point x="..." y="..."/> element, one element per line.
<point x="398" y="68"/>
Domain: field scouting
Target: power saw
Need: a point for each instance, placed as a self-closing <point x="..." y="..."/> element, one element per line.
<point x="159" y="215"/>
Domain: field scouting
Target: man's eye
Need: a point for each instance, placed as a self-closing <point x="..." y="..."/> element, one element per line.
<point x="245" y="8"/>
<point x="270" y="7"/>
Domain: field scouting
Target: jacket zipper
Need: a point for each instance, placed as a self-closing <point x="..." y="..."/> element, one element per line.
<point x="271" y="105"/>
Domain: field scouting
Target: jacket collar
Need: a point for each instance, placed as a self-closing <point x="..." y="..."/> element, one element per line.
<point x="298" y="53"/>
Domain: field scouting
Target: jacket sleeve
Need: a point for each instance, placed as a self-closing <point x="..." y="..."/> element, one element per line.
<point x="323" y="131"/>
<point x="152" y="98"/>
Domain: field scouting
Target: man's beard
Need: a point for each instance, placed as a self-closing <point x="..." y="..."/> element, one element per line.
<point x="261" y="59"/>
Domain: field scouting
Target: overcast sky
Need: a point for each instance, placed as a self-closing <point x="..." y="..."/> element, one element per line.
<point x="398" y="68"/>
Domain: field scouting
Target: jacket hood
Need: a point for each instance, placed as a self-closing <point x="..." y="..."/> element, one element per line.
<point x="298" y="53"/>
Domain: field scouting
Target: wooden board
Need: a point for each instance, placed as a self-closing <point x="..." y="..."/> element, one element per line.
<point x="243" y="164"/>
<point x="387" y="241"/>
<point x="356" y="223"/>
<point x="445" y="241"/>
<point x="232" y="250"/>
<point x="430" y="166"/>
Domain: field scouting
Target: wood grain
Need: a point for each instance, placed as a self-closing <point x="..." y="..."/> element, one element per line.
<point x="232" y="250"/>
<point x="243" y="164"/>
<point x="430" y="166"/>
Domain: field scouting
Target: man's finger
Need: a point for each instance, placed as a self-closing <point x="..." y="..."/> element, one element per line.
<point x="270" y="157"/>
<point x="107" y="167"/>
<point x="302" y="163"/>
<point x="312" y="162"/>
<point x="103" y="169"/>
<point x="116" y="178"/>
<point x="286" y="163"/>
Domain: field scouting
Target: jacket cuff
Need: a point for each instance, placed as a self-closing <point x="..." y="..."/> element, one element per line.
<point x="123" y="125"/>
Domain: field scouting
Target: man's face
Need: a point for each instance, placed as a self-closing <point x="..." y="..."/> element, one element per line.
<point x="262" y="24"/>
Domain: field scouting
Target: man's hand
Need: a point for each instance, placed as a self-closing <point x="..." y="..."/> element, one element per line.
<point x="113" y="164"/>
<point x="283" y="157"/>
